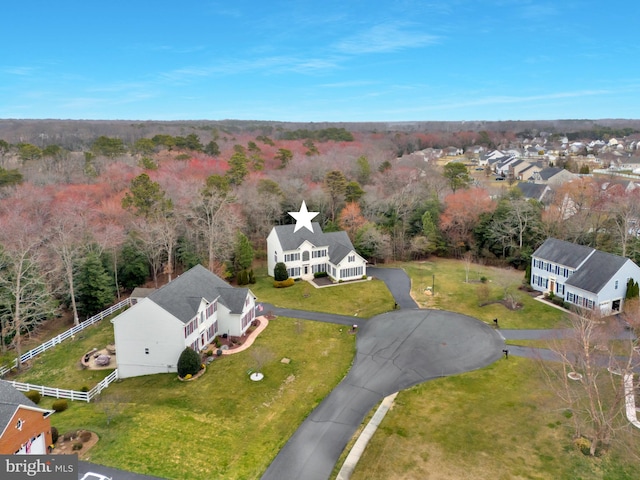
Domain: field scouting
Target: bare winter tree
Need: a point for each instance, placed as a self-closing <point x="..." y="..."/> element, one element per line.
<point x="593" y="355"/>
<point x="467" y="258"/>
<point x="213" y="219"/>
<point x="25" y="297"/>
<point x="261" y="356"/>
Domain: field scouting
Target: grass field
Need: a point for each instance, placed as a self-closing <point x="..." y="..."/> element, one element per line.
<point x="452" y="292"/>
<point x="222" y="425"/>
<point x="500" y="422"/>
<point x="364" y="299"/>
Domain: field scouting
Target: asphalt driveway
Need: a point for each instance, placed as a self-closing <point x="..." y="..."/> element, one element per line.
<point x="398" y="283"/>
<point x="395" y="351"/>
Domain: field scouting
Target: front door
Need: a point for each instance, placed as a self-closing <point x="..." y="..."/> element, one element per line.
<point x="552" y="285"/>
<point x="306" y="269"/>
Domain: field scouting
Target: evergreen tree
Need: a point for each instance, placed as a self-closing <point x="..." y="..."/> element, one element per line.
<point x="94" y="287"/>
<point x="134" y="267"/>
<point x="242" y="253"/>
<point x="238" y="168"/>
<point x="188" y="362"/>
<point x="280" y="272"/>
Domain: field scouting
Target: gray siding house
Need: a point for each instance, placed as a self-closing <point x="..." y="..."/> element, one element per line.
<point x="582" y="276"/>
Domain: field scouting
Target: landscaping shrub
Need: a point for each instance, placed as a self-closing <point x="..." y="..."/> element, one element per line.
<point x="320" y="274"/>
<point x="252" y="277"/>
<point x="242" y="278"/>
<point x="34" y="396"/>
<point x="60" y="405"/>
<point x="188" y="363"/>
<point x="284" y="283"/>
<point x="77" y="446"/>
<point x="280" y="273"/>
<point x="85" y="436"/>
<point x="68" y="436"/>
<point x="84" y="388"/>
<point x="54" y="434"/>
<point x="583" y="444"/>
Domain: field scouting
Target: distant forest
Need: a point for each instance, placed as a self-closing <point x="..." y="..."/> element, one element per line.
<point x="91" y="209"/>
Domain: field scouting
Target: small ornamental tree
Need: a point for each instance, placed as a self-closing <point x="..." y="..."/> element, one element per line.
<point x="280" y="272"/>
<point x="188" y="363"/>
<point x="632" y="289"/>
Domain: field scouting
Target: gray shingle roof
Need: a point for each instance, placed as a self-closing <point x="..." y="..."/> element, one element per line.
<point x="532" y="190"/>
<point x="563" y="253"/>
<point x="547" y="173"/>
<point x="596" y="271"/>
<point x="338" y="243"/>
<point x="182" y="297"/>
<point x="10" y="400"/>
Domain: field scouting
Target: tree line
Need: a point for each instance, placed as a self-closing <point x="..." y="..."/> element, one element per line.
<point x="163" y="204"/>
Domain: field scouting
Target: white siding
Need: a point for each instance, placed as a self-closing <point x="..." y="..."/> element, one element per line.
<point x="147" y="326"/>
<point x="274" y="249"/>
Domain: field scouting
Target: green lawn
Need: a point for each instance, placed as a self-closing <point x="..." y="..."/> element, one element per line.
<point x="453" y="293"/>
<point x="501" y="422"/>
<point x="60" y="366"/>
<point x="221" y="425"/>
<point x="364" y="299"/>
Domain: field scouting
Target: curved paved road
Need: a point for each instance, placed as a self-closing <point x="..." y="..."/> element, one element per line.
<point x="395" y="351"/>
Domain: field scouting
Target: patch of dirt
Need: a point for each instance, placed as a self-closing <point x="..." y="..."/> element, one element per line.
<point x="508" y="305"/>
<point x="65" y="447"/>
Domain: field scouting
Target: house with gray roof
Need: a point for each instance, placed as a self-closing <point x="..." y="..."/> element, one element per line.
<point x="553" y="176"/>
<point x="534" y="191"/>
<point x="306" y="252"/>
<point x="189" y="311"/>
<point x="25" y="428"/>
<point x="582" y="276"/>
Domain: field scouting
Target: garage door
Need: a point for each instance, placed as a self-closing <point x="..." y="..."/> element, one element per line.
<point x="35" y="446"/>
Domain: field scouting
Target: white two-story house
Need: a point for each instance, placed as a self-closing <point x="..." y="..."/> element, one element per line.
<point x="190" y="311"/>
<point x="307" y="252"/>
<point x="582" y="276"/>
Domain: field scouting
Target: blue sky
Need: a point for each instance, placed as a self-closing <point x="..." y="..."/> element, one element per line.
<point x="326" y="60"/>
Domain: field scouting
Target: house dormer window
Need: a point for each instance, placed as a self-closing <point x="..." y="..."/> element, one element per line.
<point x="616" y="285"/>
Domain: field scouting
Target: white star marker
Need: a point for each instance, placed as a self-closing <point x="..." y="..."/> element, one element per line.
<point x="303" y="218"/>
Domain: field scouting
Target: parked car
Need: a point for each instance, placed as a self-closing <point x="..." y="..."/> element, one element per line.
<point x="499" y="179"/>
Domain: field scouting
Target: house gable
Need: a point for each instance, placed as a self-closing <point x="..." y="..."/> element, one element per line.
<point x="22" y="423"/>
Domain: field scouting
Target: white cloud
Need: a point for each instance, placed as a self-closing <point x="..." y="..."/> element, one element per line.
<point x="19" y="70"/>
<point x="385" y="38"/>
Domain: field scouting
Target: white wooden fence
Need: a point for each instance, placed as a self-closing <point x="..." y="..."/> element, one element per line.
<point x="68" y="394"/>
<point x="63" y="336"/>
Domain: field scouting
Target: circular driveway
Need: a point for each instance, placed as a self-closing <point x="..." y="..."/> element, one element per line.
<point x="395" y="351"/>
